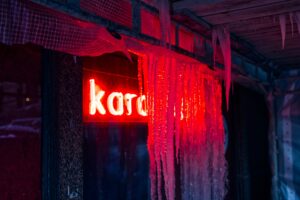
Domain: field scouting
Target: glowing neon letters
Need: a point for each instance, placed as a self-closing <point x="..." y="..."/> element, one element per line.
<point x="116" y="102"/>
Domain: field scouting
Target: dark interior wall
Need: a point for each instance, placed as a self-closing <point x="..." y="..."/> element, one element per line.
<point x="247" y="154"/>
<point x="20" y="122"/>
<point x="116" y="162"/>
<point x="40" y="124"/>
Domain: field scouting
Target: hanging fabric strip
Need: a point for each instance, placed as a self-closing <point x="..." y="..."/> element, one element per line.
<point x="186" y="134"/>
<point x="292" y="22"/>
<point x="223" y="35"/>
<point x="282" y="22"/>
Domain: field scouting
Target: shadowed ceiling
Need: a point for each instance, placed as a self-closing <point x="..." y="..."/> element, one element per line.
<point x="254" y="21"/>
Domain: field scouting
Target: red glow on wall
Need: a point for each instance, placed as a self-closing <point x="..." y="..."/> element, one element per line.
<point x="103" y="105"/>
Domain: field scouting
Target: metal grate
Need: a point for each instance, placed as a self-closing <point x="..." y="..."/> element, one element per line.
<point x="118" y="11"/>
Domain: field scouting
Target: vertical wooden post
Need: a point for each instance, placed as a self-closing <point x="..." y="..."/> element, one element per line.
<point x="49" y="127"/>
<point x="136" y="15"/>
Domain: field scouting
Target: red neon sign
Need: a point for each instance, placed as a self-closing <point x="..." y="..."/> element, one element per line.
<point x="103" y="106"/>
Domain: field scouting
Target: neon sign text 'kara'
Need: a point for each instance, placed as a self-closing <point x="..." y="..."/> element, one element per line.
<point x="116" y="101"/>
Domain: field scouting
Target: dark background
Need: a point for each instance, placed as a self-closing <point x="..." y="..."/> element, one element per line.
<point x="116" y="162"/>
<point x="249" y="172"/>
<point x="20" y="122"/>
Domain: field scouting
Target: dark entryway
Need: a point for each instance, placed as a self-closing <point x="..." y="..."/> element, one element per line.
<point x="249" y="170"/>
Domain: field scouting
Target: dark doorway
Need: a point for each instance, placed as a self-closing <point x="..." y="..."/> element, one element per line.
<point x="249" y="170"/>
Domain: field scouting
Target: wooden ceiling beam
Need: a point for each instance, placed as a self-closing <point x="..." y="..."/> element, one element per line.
<point x="289" y="67"/>
<point x="188" y="4"/>
<point x="221" y="7"/>
<point x="290" y="58"/>
<point x="232" y="17"/>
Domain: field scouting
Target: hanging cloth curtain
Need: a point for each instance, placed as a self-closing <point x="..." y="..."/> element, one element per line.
<point x="186" y="135"/>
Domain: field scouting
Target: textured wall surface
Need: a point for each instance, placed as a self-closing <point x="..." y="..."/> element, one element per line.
<point x="70" y="128"/>
<point x="62" y="127"/>
<point x="285" y="137"/>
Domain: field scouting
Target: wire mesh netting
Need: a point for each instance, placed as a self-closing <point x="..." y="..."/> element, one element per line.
<point x="119" y="11"/>
<point x="25" y="22"/>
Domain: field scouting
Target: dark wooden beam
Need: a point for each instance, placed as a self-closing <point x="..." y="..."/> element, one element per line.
<point x="232" y="16"/>
<point x="49" y="129"/>
<point x="289" y="67"/>
<point x="178" y="5"/>
<point x="292" y="58"/>
<point x="225" y="6"/>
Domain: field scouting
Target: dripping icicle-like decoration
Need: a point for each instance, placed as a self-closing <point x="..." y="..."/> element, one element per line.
<point x="186" y="135"/>
<point x="222" y="35"/>
<point x="294" y="18"/>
